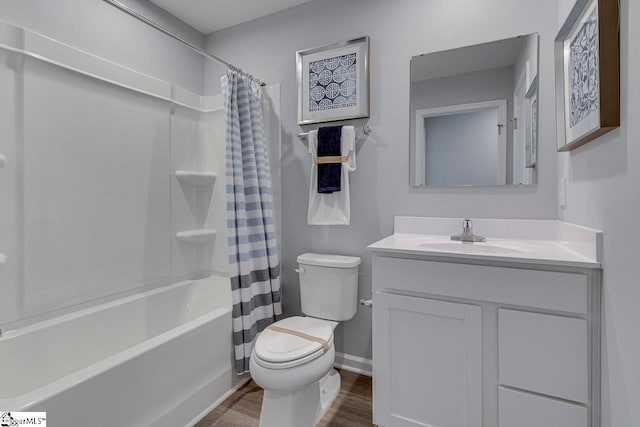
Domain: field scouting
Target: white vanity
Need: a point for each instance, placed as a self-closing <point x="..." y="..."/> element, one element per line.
<point x="502" y="333"/>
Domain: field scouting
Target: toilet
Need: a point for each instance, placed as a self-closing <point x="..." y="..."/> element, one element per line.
<point x="292" y="360"/>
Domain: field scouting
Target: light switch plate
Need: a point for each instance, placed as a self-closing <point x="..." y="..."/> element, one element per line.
<point x="562" y="192"/>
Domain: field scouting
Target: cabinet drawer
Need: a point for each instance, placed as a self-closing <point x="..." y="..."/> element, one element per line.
<point x="519" y="409"/>
<point x="533" y="288"/>
<point x="543" y="353"/>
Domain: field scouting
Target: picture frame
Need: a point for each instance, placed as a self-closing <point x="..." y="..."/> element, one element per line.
<point x="587" y="59"/>
<point x="531" y="134"/>
<point x="333" y="82"/>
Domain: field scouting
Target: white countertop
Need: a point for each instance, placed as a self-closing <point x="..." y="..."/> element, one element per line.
<point x="536" y="242"/>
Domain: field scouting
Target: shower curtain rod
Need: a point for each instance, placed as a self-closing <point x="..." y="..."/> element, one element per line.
<point x="126" y="9"/>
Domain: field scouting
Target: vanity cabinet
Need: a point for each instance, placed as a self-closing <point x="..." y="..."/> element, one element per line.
<point x="468" y="343"/>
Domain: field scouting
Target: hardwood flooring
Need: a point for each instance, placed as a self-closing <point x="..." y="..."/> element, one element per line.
<point x="352" y="407"/>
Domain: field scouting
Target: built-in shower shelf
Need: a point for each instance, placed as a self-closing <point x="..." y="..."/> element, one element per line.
<point x="196" y="178"/>
<point x="196" y="235"/>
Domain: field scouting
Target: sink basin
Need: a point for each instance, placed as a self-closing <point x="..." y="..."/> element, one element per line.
<point x="471" y="248"/>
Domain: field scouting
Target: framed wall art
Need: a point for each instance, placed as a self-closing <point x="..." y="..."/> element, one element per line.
<point x="588" y="73"/>
<point x="333" y="82"/>
<point x="531" y="138"/>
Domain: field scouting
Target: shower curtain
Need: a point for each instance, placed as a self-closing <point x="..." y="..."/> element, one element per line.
<point x="253" y="257"/>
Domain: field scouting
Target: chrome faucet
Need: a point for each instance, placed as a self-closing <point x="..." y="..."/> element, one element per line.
<point x="467" y="233"/>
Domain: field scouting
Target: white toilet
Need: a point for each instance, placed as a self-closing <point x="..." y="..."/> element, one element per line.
<point x="293" y="361"/>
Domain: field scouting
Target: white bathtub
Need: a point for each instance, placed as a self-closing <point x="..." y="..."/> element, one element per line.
<point x="161" y="358"/>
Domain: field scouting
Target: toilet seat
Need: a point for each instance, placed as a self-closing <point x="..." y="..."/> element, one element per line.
<point x="279" y="350"/>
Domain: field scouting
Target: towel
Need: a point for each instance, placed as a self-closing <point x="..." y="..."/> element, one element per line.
<point x="332" y="208"/>
<point x="329" y="145"/>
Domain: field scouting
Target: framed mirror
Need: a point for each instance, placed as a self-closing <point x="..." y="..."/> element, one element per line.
<point x="474" y="115"/>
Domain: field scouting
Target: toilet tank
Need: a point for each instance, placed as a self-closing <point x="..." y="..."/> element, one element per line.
<point x="328" y="285"/>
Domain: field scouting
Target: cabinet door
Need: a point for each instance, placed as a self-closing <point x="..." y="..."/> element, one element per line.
<point x="427" y="362"/>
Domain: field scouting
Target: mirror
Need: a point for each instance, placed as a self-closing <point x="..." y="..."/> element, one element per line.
<point x="474" y="114"/>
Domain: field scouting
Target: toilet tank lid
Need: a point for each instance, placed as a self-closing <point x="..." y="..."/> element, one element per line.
<point x="327" y="260"/>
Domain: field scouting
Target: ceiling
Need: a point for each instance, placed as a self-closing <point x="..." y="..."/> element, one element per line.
<point x="470" y="59"/>
<point x="208" y="16"/>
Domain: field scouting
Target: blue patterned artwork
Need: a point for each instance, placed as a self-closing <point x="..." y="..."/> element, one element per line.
<point x="332" y="83"/>
<point x="584" y="92"/>
<point x="534" y="130"/>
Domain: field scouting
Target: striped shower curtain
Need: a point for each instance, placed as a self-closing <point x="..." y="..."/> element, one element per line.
<point x="253" y="257"/>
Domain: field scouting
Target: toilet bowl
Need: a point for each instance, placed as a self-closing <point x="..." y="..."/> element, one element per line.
<point x="290" y="370"/>
<point x="292" y="359"/>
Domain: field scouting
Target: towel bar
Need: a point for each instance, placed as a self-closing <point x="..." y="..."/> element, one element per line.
<point x="366" y="129"/>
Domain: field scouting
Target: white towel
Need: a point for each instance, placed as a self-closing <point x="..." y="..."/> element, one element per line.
<point x="332" y="208"/>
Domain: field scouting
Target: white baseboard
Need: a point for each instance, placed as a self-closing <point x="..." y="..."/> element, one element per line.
<point x="356" y="364"/>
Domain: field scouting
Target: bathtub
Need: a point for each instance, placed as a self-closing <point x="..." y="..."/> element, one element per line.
<point x="162" y="358"/>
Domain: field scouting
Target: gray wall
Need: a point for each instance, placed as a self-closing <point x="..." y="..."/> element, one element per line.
<point x="603" y="191"/>
<point x="487" y="85"/>
<point x="528" y="52"/>
<point x="380" y="187"/>
<point x="100" y="29"/>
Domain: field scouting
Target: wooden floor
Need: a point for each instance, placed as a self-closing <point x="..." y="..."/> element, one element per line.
<point x="352" y="407"/>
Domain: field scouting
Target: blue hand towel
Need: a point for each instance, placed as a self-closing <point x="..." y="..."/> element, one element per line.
<point x="329" y="174"/>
